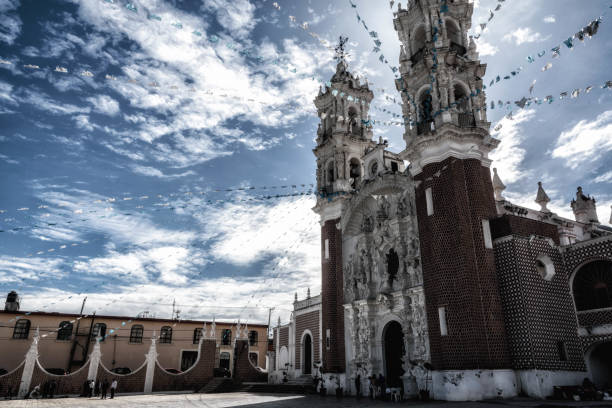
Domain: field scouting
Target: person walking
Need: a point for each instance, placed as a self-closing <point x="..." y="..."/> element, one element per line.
<point x="104" y="389"/>
<point x="358" y="385"/>
<point x="91" y="388"/>
<point x="113" y="388"/>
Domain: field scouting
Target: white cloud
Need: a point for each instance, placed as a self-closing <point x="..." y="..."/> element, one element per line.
<point x="550" y="19"/>
<point x="10" y="23"/>
<point x="485" y="48"/>
<point x="104" y="104"/>
<point x="509" y="155"/>
<point x="604" y="178"/>
<point x="153" y="172"/>
<point x="524" y="35"/>
<point x="237" y="16"/>
<point x="14" y="269"/>
<point x="43" y="102"/>
<point x="585" y="141"/>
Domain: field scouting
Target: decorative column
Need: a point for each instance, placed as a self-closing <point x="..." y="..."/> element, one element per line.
<point x="94" y="361"/>
<point x="151" y="358"/>
<point x="28" y="367"/>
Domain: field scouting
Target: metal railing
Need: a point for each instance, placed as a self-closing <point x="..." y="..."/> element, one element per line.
<point x="459" y="49"/>
<point x="467" y="120"/>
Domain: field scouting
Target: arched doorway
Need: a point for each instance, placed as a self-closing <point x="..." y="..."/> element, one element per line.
<point x="393" y="338"/>
<point x="599" y="360"/>
<point x="307" y="354"/>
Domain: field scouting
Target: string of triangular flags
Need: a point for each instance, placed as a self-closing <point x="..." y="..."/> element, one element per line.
<point x="586" y="32"/>
<point x="483" y="26"/>
<point x="376" y="41"/>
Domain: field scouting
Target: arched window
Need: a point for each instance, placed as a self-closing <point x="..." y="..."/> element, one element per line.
<point x="545" y="267"/>
<point x="592" y="286"/>
<point x="355" y="170"/>
<point x="226" y="337"/>
<point x="330" y="172"/>
<point x="418" y="44"/>
<point x="197" y="335"/>
<point x="99" y="329"/>
<point x="136" y="333"/>
<point x="425" y="113"/>
<point x="461" y="98"/>
<point x="64" y="331"/>
<point x="453" y="32"/>
<point x="22" y="329"/>
<point x="354" y="126"/>
<point x="165" y="336"/>
<point x="392" y="264"/>
<point x="252" y="338"/>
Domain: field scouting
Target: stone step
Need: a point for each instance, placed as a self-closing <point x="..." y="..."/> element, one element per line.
<point x="213" y="385"/>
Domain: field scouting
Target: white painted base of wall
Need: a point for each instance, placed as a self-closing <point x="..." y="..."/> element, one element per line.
<point x="473" y="385"/>
<point x="540" y="383"/>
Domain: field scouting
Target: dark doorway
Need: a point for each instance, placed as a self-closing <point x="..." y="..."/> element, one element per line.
<point x="188" y="358"/>
<point x="307" y="369"/>
<point x="224" y="360"/>
<point x="600" y="365"/>
<point x="394" y="351"/>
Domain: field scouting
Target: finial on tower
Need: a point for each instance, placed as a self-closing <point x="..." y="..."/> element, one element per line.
<point x="541" y="198"/>
<point x="341" y="50"/>
<point x="308" y="294"/>
<point x="498" y="186"/>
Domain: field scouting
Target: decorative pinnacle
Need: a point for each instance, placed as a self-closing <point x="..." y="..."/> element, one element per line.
<point x="542" y="198"/>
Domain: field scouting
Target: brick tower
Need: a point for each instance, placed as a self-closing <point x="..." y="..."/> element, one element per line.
<point x="448" y="142"/>
<point x="342" y="138"/>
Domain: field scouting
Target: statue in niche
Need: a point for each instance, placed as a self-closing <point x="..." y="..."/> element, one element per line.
<point x="393" y="263"/>
<point x="362" y="280"/>
<point x="364" y="335"/>
<point x="349" y="278"/>
<point x="383" y="208"/>
<point x="367" y="224"/>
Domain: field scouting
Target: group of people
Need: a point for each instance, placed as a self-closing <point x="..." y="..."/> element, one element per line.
<point x="91" y="388"/>
<point x="379" y="389"/>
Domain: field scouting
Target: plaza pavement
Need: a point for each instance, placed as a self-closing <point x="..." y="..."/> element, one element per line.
<point x="248" y="400"/>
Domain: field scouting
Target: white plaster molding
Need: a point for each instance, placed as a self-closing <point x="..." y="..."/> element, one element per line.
<point x="30" y="363"/>
<point x="94" y="360"/>
<point x="151" y="358"/>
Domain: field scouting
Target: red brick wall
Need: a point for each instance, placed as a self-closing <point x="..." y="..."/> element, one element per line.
<point x="513" y="225"/>
<point x="307" y="321"/>
<point x="65" y="384"/>
<point x="458" y="271"/>
<point x="284" y="336"/>
<point x="11" y="380"/>
<point x="332" y="297"/>
<point x="244" y="371"/>
<point x="194" y="378"/>
<point x="133" y="382"/>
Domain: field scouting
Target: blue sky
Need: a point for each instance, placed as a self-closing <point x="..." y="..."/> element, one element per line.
<point x="109" y="180"/>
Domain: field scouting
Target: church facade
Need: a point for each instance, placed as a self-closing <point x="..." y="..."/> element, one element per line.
<point x="429" y="276"/>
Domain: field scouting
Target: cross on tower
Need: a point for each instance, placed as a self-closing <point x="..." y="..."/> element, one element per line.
<point x="341" y="53"/>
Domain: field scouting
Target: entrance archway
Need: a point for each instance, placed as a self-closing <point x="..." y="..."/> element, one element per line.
<point x="600" y="364"/>
<point x="307" y="354"/>
<point x="393" y="338"/>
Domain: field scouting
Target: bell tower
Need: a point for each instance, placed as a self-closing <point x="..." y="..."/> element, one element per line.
<point x="447" y="144"/>
<point x="343" y="136"/>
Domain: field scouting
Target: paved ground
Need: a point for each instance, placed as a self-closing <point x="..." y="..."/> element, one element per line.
<point x="247" y="400"/>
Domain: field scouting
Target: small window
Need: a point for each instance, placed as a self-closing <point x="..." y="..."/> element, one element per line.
<point x="394" y="167"/>
<point x="442" y="317"/>
<point x="429" y="201"/>
<point x="226" y="337"/>
<point x="486" y="232"/>
<point x="545" y="267"/>
<point x="253" y="358"/>
<point x="562" y="350"/>
<point x="136" y="333"/>
<point x="252" y="338"/>
<point x="197" y="335"/>
<point x="327" y="249"/>
<point x="328" y="338"/>
<point x="99" y="330"/>
<point x="22" y="329"/>
<point x="64" y="331"/>
<point x="165" y="337"/>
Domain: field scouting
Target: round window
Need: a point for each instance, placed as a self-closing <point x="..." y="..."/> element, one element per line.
<point x="545" y="267"/>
